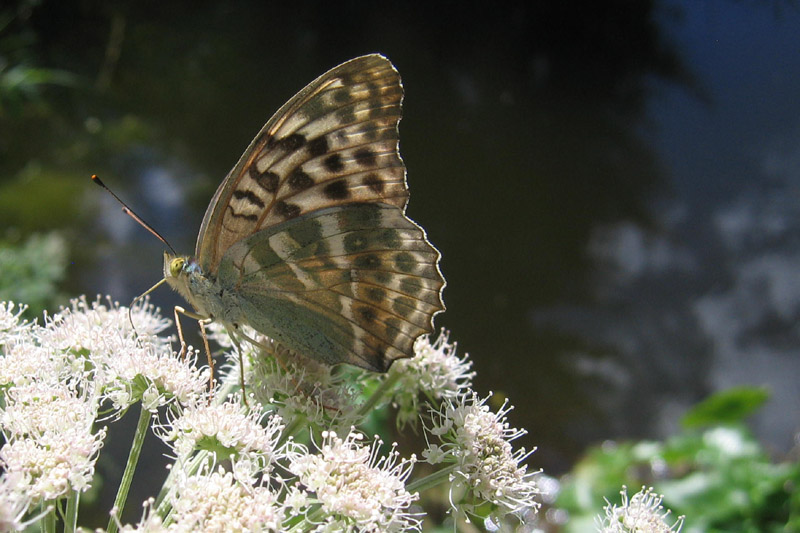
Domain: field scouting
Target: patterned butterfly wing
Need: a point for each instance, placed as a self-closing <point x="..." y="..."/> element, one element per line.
<point x="355" y="283"/>
<point x="335" y="142"/>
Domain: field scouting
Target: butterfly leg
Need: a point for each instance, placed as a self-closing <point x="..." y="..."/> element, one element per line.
<point x="202" y="321"/>
<point x="241" y="361"/>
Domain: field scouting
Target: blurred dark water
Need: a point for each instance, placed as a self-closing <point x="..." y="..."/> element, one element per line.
<point x="613" y="188"/>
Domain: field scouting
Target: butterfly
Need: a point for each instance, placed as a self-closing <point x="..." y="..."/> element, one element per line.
<point x="306" y="240"/>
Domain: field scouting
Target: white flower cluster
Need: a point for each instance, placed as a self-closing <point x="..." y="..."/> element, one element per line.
<point x="486" y="468"/>
<point x="296" y="387"/>
<point x="340" y="485"/>
<point x="226" y="430"/>
<point x="14" y="502"/>
<point x="358" y="489"/>
<point x="435" y="371"/>
<point x="642" y="513"/>
<point x="241" y="465"/>
<point x="222" y="501"/>
<point x="48" y="427"/>
<point x="55" y="378"/>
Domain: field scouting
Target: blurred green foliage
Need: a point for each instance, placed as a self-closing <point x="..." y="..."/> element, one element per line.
<point x="715" y="473"/>
<point x="31" y="270"/>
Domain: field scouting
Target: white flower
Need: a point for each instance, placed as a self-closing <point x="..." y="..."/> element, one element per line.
<point x="486" y="467"/>
<point x="101" y="329"/>
<point x="14" y="502"/>
<point x="98" y="341"/>
<point x="301" y="388"/>
<point x="50" y="440"/>
<point x="642" y="513"/>
<point x="26" y="358"/>
<point x="11" y="326"/>
<point x="25" y="361"/>
<point x="150" y="523"/>
<point x="174" y="377"/>
<point x="40" y="408"/>
<point x="225" y="430"/>
<point x="220" y="501"/>
<point x="435" y="370"/>
<point x="357" y="488"/>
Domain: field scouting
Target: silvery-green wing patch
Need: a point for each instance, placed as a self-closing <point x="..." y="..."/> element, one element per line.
<point x="334" y="143"/>
<point x="355" y="283"/>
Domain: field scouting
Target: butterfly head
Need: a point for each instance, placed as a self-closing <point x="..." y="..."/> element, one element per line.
<point x="178" y="270"/>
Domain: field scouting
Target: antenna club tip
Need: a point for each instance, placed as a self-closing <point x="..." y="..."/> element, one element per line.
<point x="96" y="179"/>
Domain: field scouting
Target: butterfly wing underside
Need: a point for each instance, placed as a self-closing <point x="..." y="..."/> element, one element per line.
<point x="356" y="283"/>
<point x="309" y="229"/>
<point x="333" y="143"/>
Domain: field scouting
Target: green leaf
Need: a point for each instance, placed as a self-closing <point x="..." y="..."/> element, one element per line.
<point x="726" y="407"/>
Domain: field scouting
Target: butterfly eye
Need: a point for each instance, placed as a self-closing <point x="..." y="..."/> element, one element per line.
<point x="176" y="266"/>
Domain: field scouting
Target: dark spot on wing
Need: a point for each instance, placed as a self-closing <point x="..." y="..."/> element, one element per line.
<point x="337" y="190"/>
<point x="268" y="181"/>
<point x="299" y="180"/>
<point x="287" y="210"/>
<point x="234" y="214"/>
<point x="376" y="294"/>
<point x="390" y="237"/>
<point x="382" y="277"/>
<point x="403" y="306"/>
<point x="411" y="286"/>
<point x="341" y="96"/>
<point x="393" y="329"/>
<point x="250" y="197"/>
<point x="374" y="182"/>
<point x="334" y="163"/>
<point x="376" y="112"/>
<point x="318" y="146"/>
<point x="366" y="314"/>
<point x="367" y="262"/>
<point x="292" y="142"/>
<point x="365" y="157"/>
<point x="383" y="362"/>
<point x="355" y="242"/>
<point x="374" y="89"/>
<point x="346" y="115"/>
<point x="404" y="262"/>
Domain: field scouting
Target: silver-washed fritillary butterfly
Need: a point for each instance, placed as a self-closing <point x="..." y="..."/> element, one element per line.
<point x="306" y="240"/>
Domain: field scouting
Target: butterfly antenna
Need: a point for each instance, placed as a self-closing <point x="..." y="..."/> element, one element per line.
<point x="128" y="211"/>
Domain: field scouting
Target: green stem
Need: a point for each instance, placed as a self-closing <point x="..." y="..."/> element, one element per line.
<point x="48" y="524"/>
<point x="133" y="459"/>
<point x="431" y="480"/>
<point x="310" y="519"/>
<point x="378" y="395"/>
<point x="71" y="516"/>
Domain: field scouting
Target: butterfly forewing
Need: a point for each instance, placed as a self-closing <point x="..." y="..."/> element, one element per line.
<point x="334" y="143"/>
<point x="359" y="283"/>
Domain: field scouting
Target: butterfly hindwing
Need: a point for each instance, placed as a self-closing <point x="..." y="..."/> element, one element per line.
<point x="335" y="142"/>
<point x="356" y="283"/>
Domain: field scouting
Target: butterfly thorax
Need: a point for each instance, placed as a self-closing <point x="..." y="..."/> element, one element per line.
<point x="185" y="275"/>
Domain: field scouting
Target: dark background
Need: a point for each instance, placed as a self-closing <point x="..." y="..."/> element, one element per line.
<point x="613" y="185"/>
